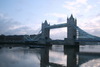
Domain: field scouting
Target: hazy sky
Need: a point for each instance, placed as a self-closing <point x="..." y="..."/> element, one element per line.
<point x="26" y="16"/>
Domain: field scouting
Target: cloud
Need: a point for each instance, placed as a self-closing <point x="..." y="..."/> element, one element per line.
<point x="78" y="6"/>
<point x="98" y="15"/>
<point x="89" y="7"/>
<point x="95" y="25"/>
<point x="6" y="24"/>
<point x="10" y="27"/>
<point x="82" y="1"/>
<point x="76" y="2"/>
<point x="56" y="15"/>
<point x="51" y="21"/>
<point x="91" y="25"/>
<point x="60" y="18"/>
<point x="23" y="30"/>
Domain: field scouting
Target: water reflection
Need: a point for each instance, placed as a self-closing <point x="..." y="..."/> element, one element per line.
<point x="91" y="63"/>
<point x="52" y="58"/>
<point x="18" y="58"/>
<point x="90" y="60"/>
<point x="25" y="57"/>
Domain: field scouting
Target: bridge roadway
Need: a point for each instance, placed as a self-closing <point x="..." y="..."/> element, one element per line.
<point x="80" y="41"/>
<point x="49" y="43"/>
<point x="87" y="40"/>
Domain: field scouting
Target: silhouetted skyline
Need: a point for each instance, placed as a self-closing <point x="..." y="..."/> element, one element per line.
<point x="25" y="16"/>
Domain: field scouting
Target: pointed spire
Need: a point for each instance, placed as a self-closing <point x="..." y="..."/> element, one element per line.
<point x="45" y="22"/>
<point x="71" y="16"/>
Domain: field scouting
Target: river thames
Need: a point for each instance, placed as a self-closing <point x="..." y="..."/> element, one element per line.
<point x="26" y="57"/>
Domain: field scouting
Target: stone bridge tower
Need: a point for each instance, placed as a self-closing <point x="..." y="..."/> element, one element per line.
<point x="45" y="31"/>
<point x="71" y="31"/>
<point x="72" y="47"/>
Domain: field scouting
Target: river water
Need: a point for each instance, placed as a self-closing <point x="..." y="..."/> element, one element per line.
<point x="26" y="57"/>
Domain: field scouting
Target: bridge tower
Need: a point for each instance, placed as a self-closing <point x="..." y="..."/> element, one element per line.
<point x="71" y="31"/>
<point x="71" y="48"/>
<point x="45" y="31"/>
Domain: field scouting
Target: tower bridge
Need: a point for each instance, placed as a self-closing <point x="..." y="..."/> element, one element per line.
<point x="74" y="33"/>
<point x="45" y="34"/>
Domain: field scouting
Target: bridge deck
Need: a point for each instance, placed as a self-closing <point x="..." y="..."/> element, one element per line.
<point x="87" y="40"/>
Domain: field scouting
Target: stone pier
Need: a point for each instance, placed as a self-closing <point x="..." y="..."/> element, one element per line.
<point x="44" y="62"/>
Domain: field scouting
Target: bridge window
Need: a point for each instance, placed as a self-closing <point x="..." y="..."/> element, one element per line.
<point x="60" y="33"/>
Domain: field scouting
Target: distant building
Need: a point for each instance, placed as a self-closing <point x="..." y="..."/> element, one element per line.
<point x="14" y="37"/>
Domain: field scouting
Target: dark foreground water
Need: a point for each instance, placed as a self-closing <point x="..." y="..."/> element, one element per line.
<point x="25" y="57"/>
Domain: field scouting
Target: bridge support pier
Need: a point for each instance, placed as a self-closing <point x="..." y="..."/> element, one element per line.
<point x="71" y="52"/>
<point x="44" y="57"/>
<point x="70" y="47"/>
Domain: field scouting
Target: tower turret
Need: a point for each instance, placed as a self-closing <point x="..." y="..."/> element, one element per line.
<point x="71" y="31"/>
<point x="71" y="17"/>
<point x="45" y="31"/>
